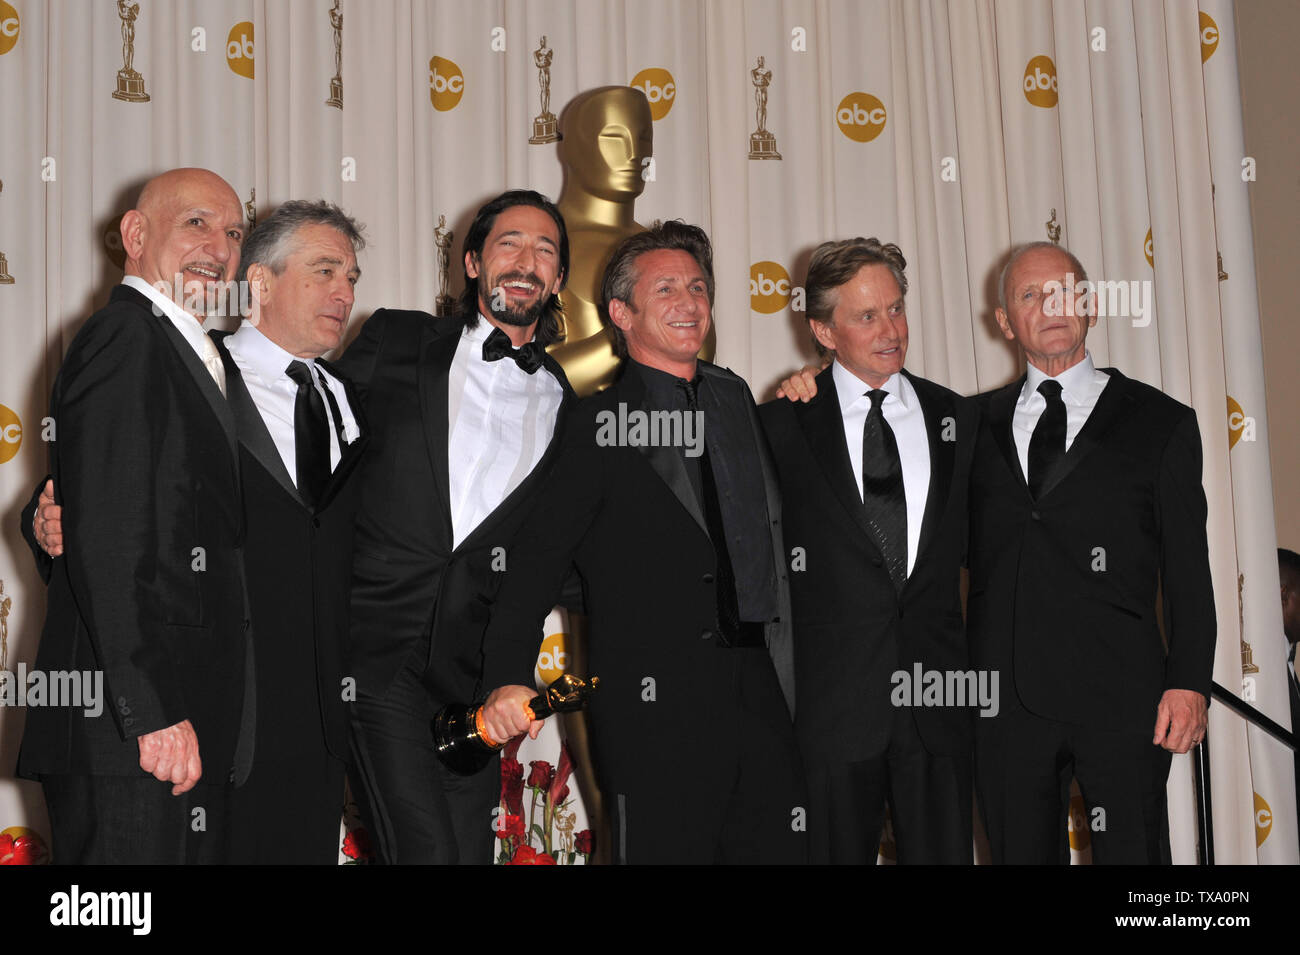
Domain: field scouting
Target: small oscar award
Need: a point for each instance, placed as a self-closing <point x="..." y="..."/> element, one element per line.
<point x="460" y="738"/>
<point x="545" y="124"/>
<point x="762" y="143"/>
<point x="336" y="81"/>
<point x="130" y="84"/>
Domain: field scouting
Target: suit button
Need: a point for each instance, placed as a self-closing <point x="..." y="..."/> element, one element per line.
<point x="707" y="578"/>
<point x="707" y="635"/>
<point x="1035" y="515"/>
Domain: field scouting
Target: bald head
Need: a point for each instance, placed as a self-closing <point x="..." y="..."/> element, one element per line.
<point x="184" y="233"/>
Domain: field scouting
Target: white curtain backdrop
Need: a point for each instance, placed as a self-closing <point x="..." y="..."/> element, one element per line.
<point x="909" y="121"/>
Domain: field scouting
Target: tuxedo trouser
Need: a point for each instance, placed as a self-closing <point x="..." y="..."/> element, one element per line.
<point x="929" y="796"/>
<point x="732" y="794"/>
<point x="1023" y="767"/>
<point x="417" y="811"/>
<point x="135" y="820"/>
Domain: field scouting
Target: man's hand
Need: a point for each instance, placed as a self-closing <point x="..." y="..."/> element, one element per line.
<point x="505" y="714"/>
<point x="801" y="386"/>
<point x="172" y="755"/>
<point x="47" y="522"/>
<point x="1180" y="720"/>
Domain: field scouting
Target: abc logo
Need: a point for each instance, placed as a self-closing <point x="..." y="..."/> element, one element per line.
<point x="446" y="84"/>
<point x="1209" y="39"/>
<point x="552" y="661"/>
<point x="1040" y="82"/>
<point x="659" y="88"/>
<point x="113" y="243"/>
<point x="769" y="287"/>
<point x="11" y="434"/>
<point x="861" y="117"/>
<point x="1077" y="823"/>
<point x="239" y="49"/>
<point x="1263" y="820"/>
<point x="1149" y="250"/>
<point x="8" y="27"/>
<point x="1236" y="422"/>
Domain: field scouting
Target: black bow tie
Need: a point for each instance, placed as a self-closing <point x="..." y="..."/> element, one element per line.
<point x="530" y="357"/>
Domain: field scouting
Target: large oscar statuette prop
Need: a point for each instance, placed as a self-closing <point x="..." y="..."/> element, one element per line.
<point x="461" y="740"/>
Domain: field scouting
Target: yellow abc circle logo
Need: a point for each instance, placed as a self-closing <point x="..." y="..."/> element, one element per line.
<point x="11" y="434"/>
<point x="1077" y="823"/>
<point x="1236" y="422"/>
<point x="1209" y="38"/>
<point x="1263" y="820"/>
<point x="659" y="88"/>
<point x="113" y="242"/>
<point x="861" y="117"/>
<point x="239" y="49"/>
<point x="1149" y="249"/>
<point x="8" y="27"/>
<point x="1040" y="82"/>
<point x="769" y="287"/>
<point x="446" y="84"/>
<point x="552" y="660"/>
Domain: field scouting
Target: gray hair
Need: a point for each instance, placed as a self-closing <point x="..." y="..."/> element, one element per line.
<point x="1020" y="251"/>
<point x="271" y="241"/>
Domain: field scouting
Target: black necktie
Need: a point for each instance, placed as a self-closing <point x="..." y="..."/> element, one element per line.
<point x="311" y="437"/>
<point x="883" y="494"/>
<point x="1047" y="446"/>
<point x="728" y="603"/>
<point x="528" y="357"/>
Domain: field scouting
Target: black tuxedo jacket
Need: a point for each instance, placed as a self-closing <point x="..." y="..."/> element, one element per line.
<point x="852" y="629"/>
<point x="408" y="580"/>
<point x="1063" y="590"/>
<point x="628" y="519"/>
<point x="151" y="591"/>
<point x="299" y="562"/>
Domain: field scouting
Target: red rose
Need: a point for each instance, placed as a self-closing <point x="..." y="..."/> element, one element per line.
<point x="512" y="793"/>
<point x="511" y="768"/>
<point x="20" y="851"/>
<point x="513" y="827"/>
<point x="356" y="845"/>
<point x="585" y="842"/>
<point x="540" y="777"/>
<point x="527" y="855"/>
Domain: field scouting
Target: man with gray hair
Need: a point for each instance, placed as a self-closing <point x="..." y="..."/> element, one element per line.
<point x="301" y="435"/>
<point x="873" y="475"/>
<point x="1086" y="504"/>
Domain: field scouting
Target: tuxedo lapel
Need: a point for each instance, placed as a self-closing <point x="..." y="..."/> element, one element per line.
<point x="1002" y="406"/>
<point x="202" y="377"/>
<point x="666" y="462"/>
<point x="940" y="415"/>
<point x="252" y="430"/>
<point x="1110" y="407"/>
<point x="823" y="427"/>
<point x="349" y="455"/>
<point x="436" y="352"/>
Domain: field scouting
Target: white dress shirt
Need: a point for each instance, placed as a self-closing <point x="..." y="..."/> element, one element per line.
<point x="262" y="364"/>
<point x="902" y="410"/>
<point x="191" y="328"/>
<point x="1081" y="386"/>
<point x="500" y="421"/>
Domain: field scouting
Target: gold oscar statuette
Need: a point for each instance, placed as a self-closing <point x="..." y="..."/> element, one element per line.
<point x="130" y="84"/>
<point x="606" y="153"/>
<point x="1053" y="228"/>
<point x="762" y="144"/>
<point x="461" y="740"/>
<point x="336" y="82"/>
<point x="545" y="125"/>
<point x="442" y="238"/>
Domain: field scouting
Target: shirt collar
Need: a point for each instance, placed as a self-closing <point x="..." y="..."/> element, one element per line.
<point x="188" y="325"/>
<point x="267" y="359"/>
<point x="852" y="389"/>
<point x="1075" y="381"/>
